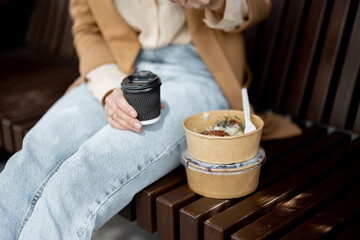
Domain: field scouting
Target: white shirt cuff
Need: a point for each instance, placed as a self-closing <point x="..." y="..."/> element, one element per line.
<point x="236" y="11"/>
<point x="103" y="79"/>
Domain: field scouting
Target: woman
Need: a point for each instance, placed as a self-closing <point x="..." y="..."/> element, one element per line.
<point x="89" y="154"/>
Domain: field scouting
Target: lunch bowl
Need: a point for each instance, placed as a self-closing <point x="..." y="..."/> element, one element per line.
<point x="223" y="181"/>
<point x="221" y="150"/>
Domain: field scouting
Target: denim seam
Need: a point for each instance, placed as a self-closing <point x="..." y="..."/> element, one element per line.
<point x="151" y="163"/>
<point x="39" y="193"/>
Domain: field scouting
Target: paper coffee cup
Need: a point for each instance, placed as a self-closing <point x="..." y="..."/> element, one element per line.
<point x="142" y="91"/>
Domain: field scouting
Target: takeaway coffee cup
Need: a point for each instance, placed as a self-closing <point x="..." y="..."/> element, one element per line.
<point x="142" y="91"/>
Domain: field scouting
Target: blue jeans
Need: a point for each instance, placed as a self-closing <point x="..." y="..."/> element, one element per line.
<point x="75" y="171"/>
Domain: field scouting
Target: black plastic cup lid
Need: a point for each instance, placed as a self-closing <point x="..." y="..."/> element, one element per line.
<point x="140" y="82"/>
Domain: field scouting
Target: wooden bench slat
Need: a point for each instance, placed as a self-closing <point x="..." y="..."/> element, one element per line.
<point x="222" y="225"/>
<point x="1" y="139"/>
<point x="285" y="53"/>
<point x="36" y="22"/>
<point x="267" y="49"/>
<point x="35" y="79"/>
<point x="129" y="211"/>
<point x="285" y="214"/>
<point x="19" y="133"/>
<point x="351" y="233"/>
<point x="192" y="216"/>
<point x="6" y="125"/>
<point x="60" y="27"/>
<point x="328" y="59"/>
<point x="59" y="11"/>
<point x="285" y="146"/>
<point x="146" y="199"/>
<point x="356" y="127"/>
<point x="167" y="210"/>
<point x="300" y="157"/>
<point x="305" y="57"/>
<point x="27" y="106"/>
<point x="22" y="99"/>
<point x="50" y="24"/>
<point x="324" y="223"/>
<point x="23" y="62"/>
<point x="250" y="36"/>
<point x="348" y="77"/>
<point x="66" y="48"/>
<point x="43" y="22"/>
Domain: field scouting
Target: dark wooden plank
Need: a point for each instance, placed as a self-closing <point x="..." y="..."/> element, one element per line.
<point x="35" y="22"/>
<point x="167" y="211"/>
<point x="348" y="77"/>
<point x="285" y="53"/>
<point x="29" y="61"/>
<point x="21" y="107"/>
<point x="250" y="35"/>
<point x="23" y="100"/>
<point x="43" y="23"/>
<point x="352" y="233"/>
<point x="325" y="223"/>
<point x="192" y="216"/>
<point x="50" y="26"/>
<point x="356" y="127"/>
<point x="285" y="165"/>
<point x="223" y="224"/>
<point x="285" y="146"/>
<point x="4" y="156"/>
<point x="146" y="199"/>
<point x="19" y="133"/>
<point x="129" y="211"/>
<point x="274" y="222"/>
<point x="57" y="81"/>
<point x="63" y="11"/>
<point x="263" y="64"/>
<point x="1" y="139"/>
<point x="305" y="57"/>
<point x="34" y="80"/>
<point x="66" y="48"/>
<point x="328" y="59"/>
<point x="7" y="123"/>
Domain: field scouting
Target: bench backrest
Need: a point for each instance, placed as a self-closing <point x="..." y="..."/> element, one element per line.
<point x="305" y="60"/>
<point x="49" y="28"/>
<point x="305" y="57"/>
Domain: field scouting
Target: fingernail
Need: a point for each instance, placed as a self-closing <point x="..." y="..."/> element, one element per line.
<point x="137" y="125"/>
<point x="133" y="114"/>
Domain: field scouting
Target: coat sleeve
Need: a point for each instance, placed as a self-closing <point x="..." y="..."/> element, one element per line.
<point x="258" y="11"/>
<point x="90" y="45"/>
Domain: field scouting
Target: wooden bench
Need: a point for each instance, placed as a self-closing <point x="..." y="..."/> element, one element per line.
<point x="305" y="60"/>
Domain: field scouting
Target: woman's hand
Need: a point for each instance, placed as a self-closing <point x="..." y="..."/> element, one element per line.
<point x="214" y="5"/>
<point x="120" y="114"/>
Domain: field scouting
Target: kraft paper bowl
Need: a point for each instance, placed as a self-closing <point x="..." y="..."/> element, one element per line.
<point x="221" y="150"/>
<point x="223" y="181"/>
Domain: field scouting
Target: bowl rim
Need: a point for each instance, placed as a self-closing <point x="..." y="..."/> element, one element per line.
<point x="222" y="169"/>
<point x="218" y="137"/>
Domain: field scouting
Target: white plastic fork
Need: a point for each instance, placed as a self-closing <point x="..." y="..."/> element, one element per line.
<point x="249" y="126"/>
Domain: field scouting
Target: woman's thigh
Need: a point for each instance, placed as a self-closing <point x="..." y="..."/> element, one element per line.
<point x="73" y="119"/>
<point x="108" y="169"/>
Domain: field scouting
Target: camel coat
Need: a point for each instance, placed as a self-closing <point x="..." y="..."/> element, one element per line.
<point x="102" y="36"/>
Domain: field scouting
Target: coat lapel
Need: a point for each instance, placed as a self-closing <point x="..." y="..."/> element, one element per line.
<point x="122" y="40"/>
<point x="213" y="54"/>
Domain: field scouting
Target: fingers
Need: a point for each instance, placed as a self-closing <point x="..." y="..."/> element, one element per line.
<point x="119" y="113"/>
<point x="197" y="4"/>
